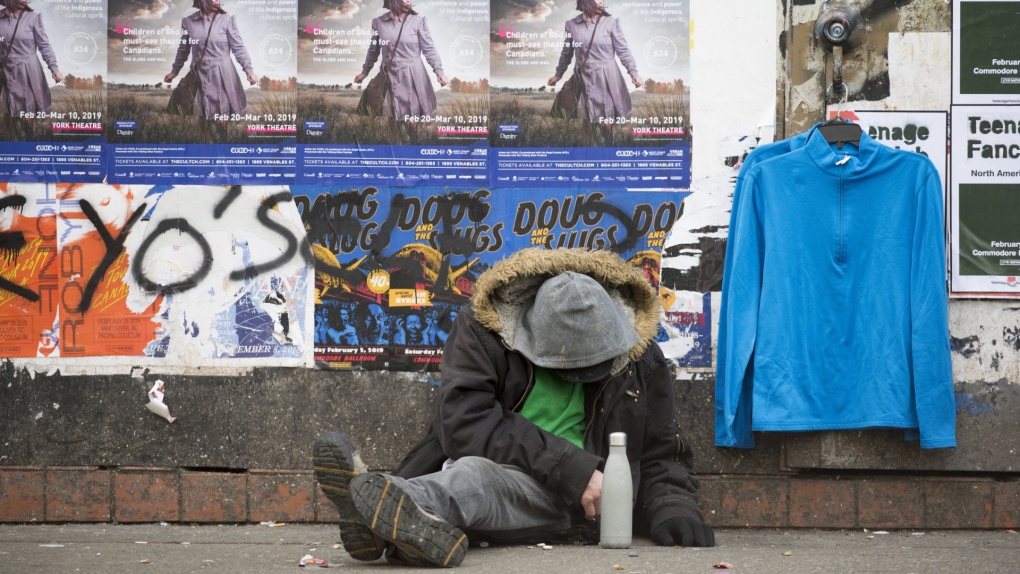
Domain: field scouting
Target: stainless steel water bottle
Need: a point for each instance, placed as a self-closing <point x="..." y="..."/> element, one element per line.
<point x="617" y="496"/>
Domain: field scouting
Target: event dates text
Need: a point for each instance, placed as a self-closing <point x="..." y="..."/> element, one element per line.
<point x="665" y="120"/>
<point x="447" y="119"/>
<point x="255" y="117"/>
<point x="61" y="115"/>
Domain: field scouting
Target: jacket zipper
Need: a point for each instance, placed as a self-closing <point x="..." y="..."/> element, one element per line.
<point x="595" y="403"/>
<point x="527" y="391"/>
<point x="841" y="247"/>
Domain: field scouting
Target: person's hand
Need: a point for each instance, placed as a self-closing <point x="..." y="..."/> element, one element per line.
<point x="58" y="77"/>
<point x="591" y="498"/>
<point x="359" y="78"/>
<point x="552" y="81"/>
<point x="252" y="78"/>
<point x="430" y="329"/>
<point x="637" y="80"/>
<point x="169" y="77"/>
<point x="683" y="531"/>
<point x="442" y="80"/>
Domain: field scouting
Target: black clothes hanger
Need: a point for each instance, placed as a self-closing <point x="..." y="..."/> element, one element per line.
<point x="840" y="131"/>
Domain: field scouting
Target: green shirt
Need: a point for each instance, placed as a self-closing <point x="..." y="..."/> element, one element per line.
<point x="556" y="406"/>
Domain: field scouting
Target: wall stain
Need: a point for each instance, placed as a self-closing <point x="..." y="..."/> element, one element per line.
<point x="967" y="346"/>
<point x="965" y="402"/>
<point x="1011" y="337"/>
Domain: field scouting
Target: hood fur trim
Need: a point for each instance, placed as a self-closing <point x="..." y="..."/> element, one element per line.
<point x="500" y="291"/>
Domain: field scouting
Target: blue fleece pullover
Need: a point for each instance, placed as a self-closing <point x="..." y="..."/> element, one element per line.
<point x="834" y="310"/>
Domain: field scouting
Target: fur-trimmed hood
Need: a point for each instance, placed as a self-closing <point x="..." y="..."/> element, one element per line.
<point x="501" y="291"/>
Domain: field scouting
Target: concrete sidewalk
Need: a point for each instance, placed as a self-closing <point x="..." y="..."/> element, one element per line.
<point x="111" y="548"/>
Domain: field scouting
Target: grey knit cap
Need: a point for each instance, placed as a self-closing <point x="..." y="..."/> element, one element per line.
<point x="572" y="323"/>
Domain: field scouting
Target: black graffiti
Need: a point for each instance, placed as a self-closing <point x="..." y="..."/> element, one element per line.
<point x="292" y="243"/>
<point x="539" y="220"/>
<point x="182" y="226"/>
<point x="233" y="193"/>
<point x="452" y="239"/>
<point x="449" y="211"/>
<point x="342" y="223"/>
<point x="113" y="247"/>
<point x="450" y="208"/>
<point x="334" y="221"/>
<point x="205" y="266"/>
<point x="11" y="243"/>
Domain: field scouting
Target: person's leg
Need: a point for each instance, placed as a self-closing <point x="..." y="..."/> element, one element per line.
<point x="480" y="495"/>
<point x="425" y="517"/>
<point x="335" y="461"/>
<point x="413" y="535"/>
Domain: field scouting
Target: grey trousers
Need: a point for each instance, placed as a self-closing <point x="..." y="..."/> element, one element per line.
<point x="499" y="502"/>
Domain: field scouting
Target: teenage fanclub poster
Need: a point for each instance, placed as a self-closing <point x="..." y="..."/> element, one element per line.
<point x="986" y="52"/>
<point x="236" y="123"/>
<point x="985" y="201"/>
<point x="52" y="82"/>
<point x="590" y="92"/>
<point x="393" y="92"/>
<point x="393" y="265"/>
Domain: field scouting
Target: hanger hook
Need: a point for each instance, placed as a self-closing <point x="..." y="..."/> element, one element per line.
<point x="843" y="101"/>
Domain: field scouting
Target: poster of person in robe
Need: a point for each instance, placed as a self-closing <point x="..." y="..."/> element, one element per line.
<point x="202" y="91"/>
<point x="52" y="82"/>
<point x="394" y="265"/>
<point x="590" y="92"/>
<point x="393" y="92"/>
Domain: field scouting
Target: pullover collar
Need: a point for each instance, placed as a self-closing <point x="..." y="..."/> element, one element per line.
<point x="857" y="158"/>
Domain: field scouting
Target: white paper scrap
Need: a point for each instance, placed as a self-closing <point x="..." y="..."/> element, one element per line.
<point x="155" y="403"/>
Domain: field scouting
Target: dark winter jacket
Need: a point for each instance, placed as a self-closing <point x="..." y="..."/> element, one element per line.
<point x="485" y="384"/>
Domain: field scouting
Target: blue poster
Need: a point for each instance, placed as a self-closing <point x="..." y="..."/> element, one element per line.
<point x="393" y="265"/>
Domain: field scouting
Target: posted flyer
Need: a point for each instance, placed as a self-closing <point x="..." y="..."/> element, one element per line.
<point x="52" y="90"/>
<point x="202" y="92"/>
<point x="394" y="264"/>
<point x="393" y="92"/>
<point x="986" y="52"/>
<point x="985" y="201"/>
<point x="590" y="92"/>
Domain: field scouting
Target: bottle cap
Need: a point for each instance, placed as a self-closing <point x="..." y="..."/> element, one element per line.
<point x="618" y="439"/>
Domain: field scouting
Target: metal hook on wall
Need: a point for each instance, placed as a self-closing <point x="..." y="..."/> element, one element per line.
<point x="838" y="28"/>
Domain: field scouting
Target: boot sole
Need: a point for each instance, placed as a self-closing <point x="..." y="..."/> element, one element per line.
<point x="393" y="516"/>
<point x="335" y="461"/>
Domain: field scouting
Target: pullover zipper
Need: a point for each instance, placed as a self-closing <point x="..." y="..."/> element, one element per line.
<point x="841" y="245"/>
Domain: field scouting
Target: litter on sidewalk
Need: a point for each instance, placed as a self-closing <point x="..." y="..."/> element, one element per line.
<point x="309" y="560"/>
